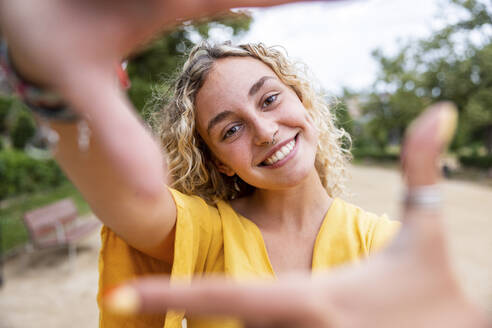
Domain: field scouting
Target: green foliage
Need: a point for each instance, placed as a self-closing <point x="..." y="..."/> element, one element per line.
<point x="21" y="174"/>
<point x="23" y="130"/>
<point x="445" y="66"/>
<point x="482" y="162"/>
<point x="162" y="58"/>
<point x="5" y="105"/>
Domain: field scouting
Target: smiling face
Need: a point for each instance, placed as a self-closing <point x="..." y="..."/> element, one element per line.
<point x="240" y="107"/>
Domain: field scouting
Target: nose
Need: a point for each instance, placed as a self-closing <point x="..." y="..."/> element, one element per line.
<point x="264" y="131"/>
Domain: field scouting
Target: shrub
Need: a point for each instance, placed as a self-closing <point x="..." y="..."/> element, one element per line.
<point x="5" y="105"/>
<point x="23" y="130"/>
<point x="482" y="162"/>
<point x="21" y="174"/>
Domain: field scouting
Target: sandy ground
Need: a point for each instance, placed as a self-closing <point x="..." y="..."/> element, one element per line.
<point x="43" y="290"/>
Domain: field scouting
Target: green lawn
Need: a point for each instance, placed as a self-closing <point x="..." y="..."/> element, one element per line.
<point x="12" y="230"/>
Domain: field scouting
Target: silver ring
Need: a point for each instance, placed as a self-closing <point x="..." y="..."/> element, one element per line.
<point x="428" y="197"/>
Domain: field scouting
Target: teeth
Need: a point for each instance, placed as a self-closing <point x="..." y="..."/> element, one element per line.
<point x="281" y="153"/>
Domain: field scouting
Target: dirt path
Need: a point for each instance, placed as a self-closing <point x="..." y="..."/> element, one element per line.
<point x="45" y="292"/>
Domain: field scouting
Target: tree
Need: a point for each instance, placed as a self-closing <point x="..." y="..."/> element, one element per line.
<point x="449" y="65"/>
<point x="151" y="67"/>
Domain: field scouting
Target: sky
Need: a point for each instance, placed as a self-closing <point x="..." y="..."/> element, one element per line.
<point x="336" y="39"/>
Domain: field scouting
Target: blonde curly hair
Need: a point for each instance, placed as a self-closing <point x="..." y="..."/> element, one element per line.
<point x="190" y="162"/>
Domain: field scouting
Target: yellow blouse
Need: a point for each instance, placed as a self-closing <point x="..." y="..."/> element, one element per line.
<point x="216" y="239"/>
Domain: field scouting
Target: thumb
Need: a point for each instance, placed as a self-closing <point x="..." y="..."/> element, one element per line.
<point x="426" y="138"/>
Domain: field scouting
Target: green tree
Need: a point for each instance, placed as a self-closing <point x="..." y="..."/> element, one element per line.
<point x="150" y="68"/>
<point x="449" y="65"/>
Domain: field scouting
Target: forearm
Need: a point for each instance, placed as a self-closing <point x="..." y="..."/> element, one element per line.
<point x="122" y="174"/>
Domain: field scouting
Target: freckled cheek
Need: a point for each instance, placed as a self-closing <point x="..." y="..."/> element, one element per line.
<point x="299" y="117"/>
<point x="236" y="157"/>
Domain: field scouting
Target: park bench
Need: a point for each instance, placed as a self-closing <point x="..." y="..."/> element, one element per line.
<point x="58" y="225"/>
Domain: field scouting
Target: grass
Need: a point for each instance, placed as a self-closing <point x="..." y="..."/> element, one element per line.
<point x="12" y="230"/>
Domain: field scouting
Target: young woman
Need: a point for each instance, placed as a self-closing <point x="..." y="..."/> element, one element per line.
<point x="253" y="158"/>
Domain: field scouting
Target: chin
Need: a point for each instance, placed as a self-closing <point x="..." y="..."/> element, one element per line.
<point x="285" y="181"/>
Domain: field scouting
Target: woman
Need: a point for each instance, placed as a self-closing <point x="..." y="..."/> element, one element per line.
<point x="238" y="134"/>
<point x="246" y="133"/>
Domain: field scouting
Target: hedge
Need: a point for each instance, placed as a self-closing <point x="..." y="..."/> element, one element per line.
<point x="20" y="174"/>
<point x="482" y="162"/>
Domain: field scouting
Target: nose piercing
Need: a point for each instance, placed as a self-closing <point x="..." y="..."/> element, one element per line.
<point x="273" y="142"/>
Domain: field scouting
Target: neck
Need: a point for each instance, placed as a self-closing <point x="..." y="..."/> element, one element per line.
<point x="293" y="207"/>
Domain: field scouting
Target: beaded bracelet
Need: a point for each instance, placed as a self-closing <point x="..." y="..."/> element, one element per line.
<point x="47" y="104"/>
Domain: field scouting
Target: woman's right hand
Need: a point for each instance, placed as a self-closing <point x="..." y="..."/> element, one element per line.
<point x="63" y="44"/>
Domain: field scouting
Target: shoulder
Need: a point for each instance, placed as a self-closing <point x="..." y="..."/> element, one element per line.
<point x="194" y="209"/>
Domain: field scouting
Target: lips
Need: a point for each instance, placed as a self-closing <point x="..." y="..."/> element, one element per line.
<point x="279" y="152"/>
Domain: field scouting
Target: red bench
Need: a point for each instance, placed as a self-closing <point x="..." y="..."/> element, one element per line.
<point x="58" y="225"/>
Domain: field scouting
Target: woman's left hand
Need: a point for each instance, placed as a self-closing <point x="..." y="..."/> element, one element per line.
<point x="410" y="284"/>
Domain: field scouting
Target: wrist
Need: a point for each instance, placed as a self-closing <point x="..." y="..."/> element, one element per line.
<point x="45" y="103"/>
<point x="23" y="67"/>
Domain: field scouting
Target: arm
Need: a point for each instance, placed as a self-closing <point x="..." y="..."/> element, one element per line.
<point x="409" y="284"/>
<point x="122" y="174"/>
<point x="72" y="46"/>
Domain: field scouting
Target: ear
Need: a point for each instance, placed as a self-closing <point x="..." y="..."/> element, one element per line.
<point x="224" y="169"/>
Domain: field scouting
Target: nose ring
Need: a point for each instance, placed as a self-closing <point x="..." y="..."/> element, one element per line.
<point x="274" y="141"/>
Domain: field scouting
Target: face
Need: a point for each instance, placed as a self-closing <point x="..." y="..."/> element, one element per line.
<point x="241" y="107"/>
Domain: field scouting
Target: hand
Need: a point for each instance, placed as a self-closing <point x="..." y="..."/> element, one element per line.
<point x="410" y="284"/>
<point x="64" y="43"/>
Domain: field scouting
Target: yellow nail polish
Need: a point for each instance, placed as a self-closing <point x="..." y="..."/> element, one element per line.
<point x="448" y="120"/>
<point x="123" y="300"/>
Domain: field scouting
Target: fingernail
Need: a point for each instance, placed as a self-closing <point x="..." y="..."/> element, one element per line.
<point x="123" y="300"/>
<point x="448" y="119"/>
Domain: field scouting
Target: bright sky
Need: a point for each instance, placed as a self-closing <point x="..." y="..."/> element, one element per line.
<point x="336" y="39"/>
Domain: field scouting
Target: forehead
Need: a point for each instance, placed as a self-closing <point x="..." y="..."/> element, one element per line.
<point x="227" y="86"/>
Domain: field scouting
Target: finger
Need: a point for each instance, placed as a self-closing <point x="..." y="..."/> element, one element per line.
<point x="263" y="3"/>
<point x="425" y="140"/>
<point x="288" y="300"/>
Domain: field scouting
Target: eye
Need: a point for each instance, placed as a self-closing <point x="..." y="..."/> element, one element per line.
<point x="229" y="133"/>
<point x="270" y="100"/>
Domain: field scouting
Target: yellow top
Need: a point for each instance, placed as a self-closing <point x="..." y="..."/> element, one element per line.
<point x="216" y="239"/>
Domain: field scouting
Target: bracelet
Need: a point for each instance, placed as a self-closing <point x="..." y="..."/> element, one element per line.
<point x="428" y="197"/>
<point x="45" y="103"/>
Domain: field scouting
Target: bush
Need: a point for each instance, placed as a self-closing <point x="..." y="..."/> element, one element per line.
<point x="5" y="105"/>
<point x="23" y="130"/>
<point x="21" y="174"/>
<point x="482" y="162"/>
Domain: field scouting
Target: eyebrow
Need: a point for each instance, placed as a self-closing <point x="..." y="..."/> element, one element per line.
<point x="217" y="119"/>
<point x="257" y="86"/>
<point x="225" y="114"/>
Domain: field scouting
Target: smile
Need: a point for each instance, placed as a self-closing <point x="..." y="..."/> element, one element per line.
<point x="280" y="154"/>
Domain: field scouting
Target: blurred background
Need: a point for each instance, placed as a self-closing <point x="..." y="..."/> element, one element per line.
<point x="379" y="62"/>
